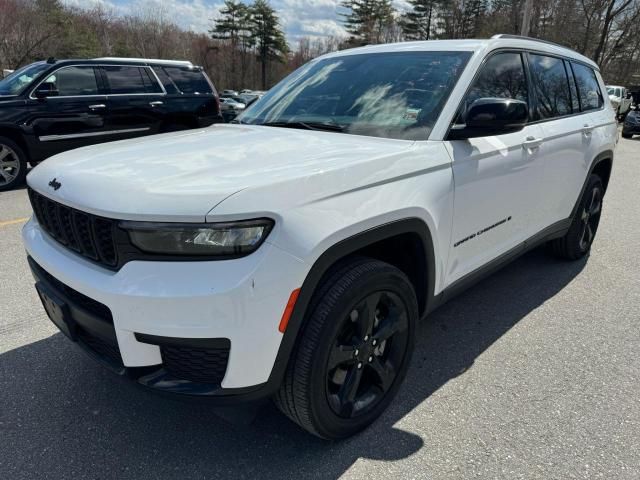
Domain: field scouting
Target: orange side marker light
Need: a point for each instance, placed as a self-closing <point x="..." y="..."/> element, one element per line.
<point x="288" y="310"/>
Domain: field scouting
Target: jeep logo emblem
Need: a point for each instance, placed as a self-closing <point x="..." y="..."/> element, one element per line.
<point x="55" y="184"/>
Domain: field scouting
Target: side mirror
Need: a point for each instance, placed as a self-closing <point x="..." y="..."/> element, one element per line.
<point x="491" y="116"/>
<point x="45" y="90"/>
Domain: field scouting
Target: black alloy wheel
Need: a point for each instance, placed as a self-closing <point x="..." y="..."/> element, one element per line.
<point x="363" y="361"/>
<point x="578" y="240"/>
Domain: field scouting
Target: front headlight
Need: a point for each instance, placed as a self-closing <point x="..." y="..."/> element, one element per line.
<point x="234" y="239"/>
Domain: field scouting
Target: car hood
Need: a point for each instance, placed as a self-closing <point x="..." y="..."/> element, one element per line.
<point x="182" y="176"/>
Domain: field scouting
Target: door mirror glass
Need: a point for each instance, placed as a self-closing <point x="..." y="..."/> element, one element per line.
<point x="46" y="89"/>
<point x="491" y="116"/>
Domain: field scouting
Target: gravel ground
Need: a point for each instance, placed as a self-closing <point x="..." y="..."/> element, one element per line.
<point x="531" y="374"/>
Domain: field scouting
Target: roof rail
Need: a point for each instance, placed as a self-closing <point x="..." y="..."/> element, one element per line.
<point x="180" y="63"/>
<point x="522" y="37"/>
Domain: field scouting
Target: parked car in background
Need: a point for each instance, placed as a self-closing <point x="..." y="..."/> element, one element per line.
<point x="251" y="97"/>
<point x="57" y="105"/>
<point x="5" y="73"/>
<point x="231" y="107"/>
<point x="620" y="98"/>
<point x="291" y="255"/>
<point x="230" y="93"/>
<point x="232" y="102"/>
<point x="631" y="125"/>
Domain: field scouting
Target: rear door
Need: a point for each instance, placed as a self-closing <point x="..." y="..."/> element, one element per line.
<point x="136" y="100"/>
<point x="568" y="96"/>
<point x="73" y="118"/>
<point x="498" y="179"/>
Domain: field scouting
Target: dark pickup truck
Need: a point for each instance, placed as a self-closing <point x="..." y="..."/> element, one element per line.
<point x="56" y="105"/>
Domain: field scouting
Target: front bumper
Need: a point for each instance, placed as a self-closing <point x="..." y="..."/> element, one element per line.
<point x="631" y="129"/>
<point x="168" y="312"/>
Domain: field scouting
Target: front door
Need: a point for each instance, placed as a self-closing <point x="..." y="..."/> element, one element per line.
<point x="498" y="179"/>
<point x="75" y="114"/>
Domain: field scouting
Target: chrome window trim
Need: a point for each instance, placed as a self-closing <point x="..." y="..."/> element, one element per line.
<point x="164" y="92"/>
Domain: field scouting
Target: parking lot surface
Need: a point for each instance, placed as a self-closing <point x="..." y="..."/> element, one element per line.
<point x="533" y="373"/>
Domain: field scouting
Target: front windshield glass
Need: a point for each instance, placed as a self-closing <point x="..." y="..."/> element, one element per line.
<point x="391" y="95"/>
<point x="19" y="80"/>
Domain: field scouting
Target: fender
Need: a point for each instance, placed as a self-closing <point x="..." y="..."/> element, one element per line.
<point x="329" y="258"/>
<point x="601" y="157"/>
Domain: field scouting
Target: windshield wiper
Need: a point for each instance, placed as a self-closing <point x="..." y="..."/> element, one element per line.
<point x="328" y="127"/>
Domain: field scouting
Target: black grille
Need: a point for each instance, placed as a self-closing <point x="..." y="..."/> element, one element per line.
<point x="89" y="235"/>
<point x="199" y="365"/>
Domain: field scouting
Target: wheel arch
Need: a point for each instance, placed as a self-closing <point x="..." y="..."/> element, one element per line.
<point x="411" y="232"/>
<point x="602" y="165"/>
<point x="15" y="134"/>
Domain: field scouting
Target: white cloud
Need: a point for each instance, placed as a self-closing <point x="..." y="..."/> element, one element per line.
<point x="299" y="18"/>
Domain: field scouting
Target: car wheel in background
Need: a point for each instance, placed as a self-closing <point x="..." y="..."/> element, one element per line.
<point x="13" y="164"/>
<point x="353" y="351"/>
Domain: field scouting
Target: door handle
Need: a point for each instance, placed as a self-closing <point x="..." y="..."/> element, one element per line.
<point x="587" y="129"/>
<point x="532" y="143"/>
<point x="98" y="106"/>
<point x="156" y="103"/>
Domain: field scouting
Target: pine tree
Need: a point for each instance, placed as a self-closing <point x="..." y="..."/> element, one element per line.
<point x="368" y="20"/>
<point x="419" y="23"/>
<point x="234" y="25"/>
<point x="268" y="36"/>
<point x="473" y="13"/>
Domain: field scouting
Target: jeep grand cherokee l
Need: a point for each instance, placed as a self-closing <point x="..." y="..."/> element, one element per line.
<point x="360" y="193"/>
<point x="53" y="106"/>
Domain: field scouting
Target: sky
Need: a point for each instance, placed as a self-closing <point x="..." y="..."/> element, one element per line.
<point x="299" y="18"/>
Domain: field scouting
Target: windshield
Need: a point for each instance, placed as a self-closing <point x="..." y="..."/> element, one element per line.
<point x="391" y="95"/>
<point x="19" y="80"/>
<point x="616" y="92"/>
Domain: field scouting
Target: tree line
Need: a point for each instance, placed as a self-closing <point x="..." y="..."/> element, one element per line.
<point x="246" y="46"/>
<point x="607" y="31"/>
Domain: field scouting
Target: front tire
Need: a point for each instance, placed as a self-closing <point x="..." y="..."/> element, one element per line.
<point x="578" y="240"/>
<point x="13" y="164"/>
<point x="353" y="352"/>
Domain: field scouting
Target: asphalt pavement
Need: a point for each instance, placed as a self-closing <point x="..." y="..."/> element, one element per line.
<point x="533" y="374"/>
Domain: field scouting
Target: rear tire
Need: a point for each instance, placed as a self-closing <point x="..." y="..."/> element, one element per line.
<point x="353" y="351"/>
<point x="578" y="240"/>
<point x="13" y="164"/>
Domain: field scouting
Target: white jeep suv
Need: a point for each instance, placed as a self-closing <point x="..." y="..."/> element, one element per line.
<point x="291" y="254"/>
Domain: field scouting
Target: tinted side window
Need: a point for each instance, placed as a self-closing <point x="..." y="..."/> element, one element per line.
<point x="588" y="88"/>
<point x="502" y="76"/>
<point x="167" y="83"/>
<point x="74" y="81"/>
<point x="190" y="81"/>
<point x="130" y="80"/>
<point x="551" y="85"/>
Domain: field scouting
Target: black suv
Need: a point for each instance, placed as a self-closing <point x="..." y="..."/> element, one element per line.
<point x="53" y="106"/>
